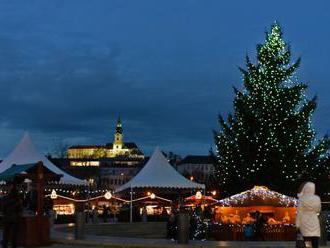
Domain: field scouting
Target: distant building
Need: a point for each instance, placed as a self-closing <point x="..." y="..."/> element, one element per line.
<point x="90" y="155"/>
<point x="197" y="168"/>
<point x="106" y="166"/>
<point x="117" y="171"/>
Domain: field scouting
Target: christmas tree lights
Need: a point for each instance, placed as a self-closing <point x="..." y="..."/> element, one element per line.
<point x="269" y="139"/>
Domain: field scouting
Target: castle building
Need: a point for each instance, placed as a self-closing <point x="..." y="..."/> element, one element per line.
<point x="104" y="166"/>
<point x="91" y="155"/>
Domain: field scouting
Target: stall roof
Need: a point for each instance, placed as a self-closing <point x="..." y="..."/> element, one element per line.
<point x="258" y="196"/>
<point x="158" y="173"/>
<point x="26" y="153"/>
<point x="15" y="170"/>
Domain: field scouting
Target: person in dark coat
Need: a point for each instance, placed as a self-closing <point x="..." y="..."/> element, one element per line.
<point x="105" y="213"/>
<point x="172" y="226"/>
<point x="259" y="226"/>
<point x="164" y="215"/>
<point x="12" y="213"/>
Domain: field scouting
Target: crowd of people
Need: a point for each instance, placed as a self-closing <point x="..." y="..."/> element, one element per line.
<point x="95" y="215"/>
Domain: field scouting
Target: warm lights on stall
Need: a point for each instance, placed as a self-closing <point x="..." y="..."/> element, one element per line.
<point x="199" y="195"/>
<point x="108" y="195"/>
<point x="53" y="195"/>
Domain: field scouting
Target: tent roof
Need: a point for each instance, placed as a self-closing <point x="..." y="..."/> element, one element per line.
<point x="26" y="153"/>
<point x="12" y="171"/>
<point x="158" y="173"/>
<point x="15" y="170"/>
<point x="258" y="196"/>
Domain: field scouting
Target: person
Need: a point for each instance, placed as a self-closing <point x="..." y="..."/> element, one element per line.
<point x="192" y="224"/>
<point x="12" y="212"/>
<point x="48" y="208"/>
<point x="144" y="214"/>
<point x="105" y="213"/>
<point x="286" y="218"/>
<point x="208" y="215"/>
<point x="248" y="231"/>
<point x="171" y="226"/>
<point x="248" y="219"/>
<point x="309" y="206"/>
<point x="259" y="226"/>
<point x="164" y="214"/>
<point x="95" y="214"/>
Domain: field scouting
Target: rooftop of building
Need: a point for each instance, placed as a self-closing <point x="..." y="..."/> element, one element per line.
<point x="126" y="145"/>
<point x="197" y="159"/>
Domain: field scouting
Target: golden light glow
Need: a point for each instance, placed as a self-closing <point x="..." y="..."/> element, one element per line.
<point x="85" y="163"/>
<point x="53" y="195"/>
<point x="199" y="195"/>
<point x="108" y="195"/>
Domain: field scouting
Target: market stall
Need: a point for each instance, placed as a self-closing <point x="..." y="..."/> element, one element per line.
<point x="233" y="213"/>
<point x="30" y="221"/>
<point x="65" y="206"/>
<point x="159" y="177"/>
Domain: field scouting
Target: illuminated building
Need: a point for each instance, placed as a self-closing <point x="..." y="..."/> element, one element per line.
<point x="105" y="166"/>
<point x="90" y="155"/>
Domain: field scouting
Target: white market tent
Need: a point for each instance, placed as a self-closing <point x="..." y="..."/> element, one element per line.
<point x="26" y="153"/>
<point x="158" y="173"/>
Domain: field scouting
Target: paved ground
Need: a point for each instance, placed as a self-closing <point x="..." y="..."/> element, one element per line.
<point x="65" y="246"/>
<point x="66" y="239"/>
<point x="149" y="230"/>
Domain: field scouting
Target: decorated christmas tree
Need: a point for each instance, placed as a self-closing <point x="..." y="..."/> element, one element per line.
<point x="269" y="139"/>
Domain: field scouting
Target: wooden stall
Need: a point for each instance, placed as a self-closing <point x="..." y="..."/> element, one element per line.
<point x="34" y="229"/>
<point x="233" y="213"/>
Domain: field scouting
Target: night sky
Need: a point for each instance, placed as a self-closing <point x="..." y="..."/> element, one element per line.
<point x="69" y="68"/>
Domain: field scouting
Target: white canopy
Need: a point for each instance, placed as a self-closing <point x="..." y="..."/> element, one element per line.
<point x="26" y="153"/>
<point x="158" y="173"/>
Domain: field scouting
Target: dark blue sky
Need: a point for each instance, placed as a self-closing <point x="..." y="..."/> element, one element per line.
<point x="68" y="68"/>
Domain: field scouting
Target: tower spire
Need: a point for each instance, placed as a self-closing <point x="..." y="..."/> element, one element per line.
<point x="119" y="128"/>
<point x="118" y="137"/>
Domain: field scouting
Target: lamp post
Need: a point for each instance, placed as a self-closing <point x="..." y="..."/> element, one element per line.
<point x="131" y="206"/>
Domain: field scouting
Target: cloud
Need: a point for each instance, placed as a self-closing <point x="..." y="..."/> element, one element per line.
<point x="69" y="68"/>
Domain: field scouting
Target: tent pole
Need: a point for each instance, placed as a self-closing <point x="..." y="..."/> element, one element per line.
<point x="131" y="207"/>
